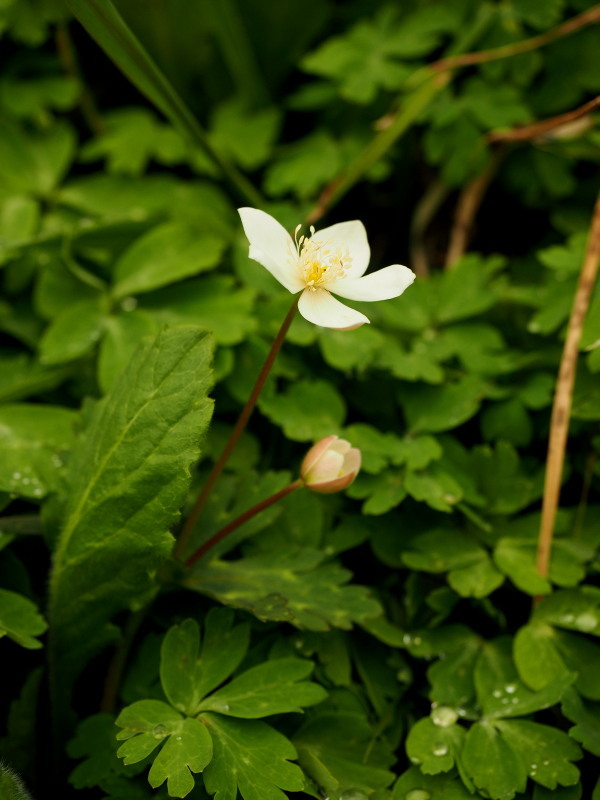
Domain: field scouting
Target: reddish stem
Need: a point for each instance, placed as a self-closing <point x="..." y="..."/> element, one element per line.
<point x="217" y="537"/>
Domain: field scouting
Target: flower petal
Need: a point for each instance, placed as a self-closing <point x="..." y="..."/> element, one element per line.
<point x="353" y="236"/>
<point x="322" y="309"/>
<point x="381" y="285"/>
<point x="272" y="246"/>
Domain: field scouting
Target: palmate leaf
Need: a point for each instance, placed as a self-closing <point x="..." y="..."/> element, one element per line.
<point x="274" y="687"/>
<point x="295" y="587"/>
<point x="126" y="482"/>
<point x="250" y="756"/>
<point x="189" y="673"/>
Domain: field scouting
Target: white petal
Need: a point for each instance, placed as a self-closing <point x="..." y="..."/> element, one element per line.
<point x="381" y="285"/>
<point x="322" y="309"/>
<point x="272" y="246"/>
<point x="353" y="236"/>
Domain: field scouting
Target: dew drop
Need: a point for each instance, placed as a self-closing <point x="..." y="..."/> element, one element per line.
<point x="16" y="476"/>
<point x="178" y="738"/>
<point x="440" y="749"/>
<point x="444" y="716"/>
<point x="586" y="622"/>
<point x="496" y="693"/>
<point x="510" y="688"/>
<point x="222" y="708"/>
<point x="353" y="794"/>
<point x="407" y="639"/>
<point x="415" y="760"/>
<point x="567" y="619"/>
<point x="298" y="643"/>
<point x="159" y="731"/>
<point x="417" y="641"/>
<point x="417" y="794"/>
<point x="545" y="763"/>
<point x="129" y="303"/>
<point x="533" y="766"/>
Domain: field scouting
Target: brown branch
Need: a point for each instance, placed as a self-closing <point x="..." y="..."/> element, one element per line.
<point x="70" y="62"/>
<point x="526" y="132"/>
<point x="427" y="207"/>
<point x="561" y="408"/>
<point x="469" y="203"/>
<point x="589" y="17"/>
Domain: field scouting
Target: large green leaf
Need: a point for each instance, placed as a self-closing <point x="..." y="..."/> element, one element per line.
<point x="126" y="482"/>
<point x="294" y="587"/>
<point x="250" y="756"/>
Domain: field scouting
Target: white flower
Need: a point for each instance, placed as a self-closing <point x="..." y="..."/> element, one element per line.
<point x="332" y="260"/>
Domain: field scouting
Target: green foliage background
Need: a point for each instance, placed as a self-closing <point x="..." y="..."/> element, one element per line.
<point x="384" y="644"/>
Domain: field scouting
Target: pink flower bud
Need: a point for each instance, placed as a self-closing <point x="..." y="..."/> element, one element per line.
<point x="330" y="465"/>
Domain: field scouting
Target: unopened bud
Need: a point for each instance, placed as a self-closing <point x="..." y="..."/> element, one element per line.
<point x="330" y="465"/>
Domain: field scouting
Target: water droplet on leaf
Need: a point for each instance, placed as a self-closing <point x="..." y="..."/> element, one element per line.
<point x="444" y="716"/>
<point x="417" y="794"/>
<point x="440" y="749"/>
<point x="159" y="731"/>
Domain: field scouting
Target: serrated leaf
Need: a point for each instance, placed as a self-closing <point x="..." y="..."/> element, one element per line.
<point x="250" y="756"/>
<point x="295" y="587"/>
<point x="273" y="687"/>
<point x="546" y="752"/>
<point x="72" y="333"/>
<point x="433" y="408"/>
<point x="435" y="747"/>
<point x="167" y="254"/>
<point x="337" y="750"/>
<point x="189" y="749"/>
<point x="94" y="742"/>
<point x="34" y="440"/>
<point x="20" y="620"/>
<point x="126" y="481"/>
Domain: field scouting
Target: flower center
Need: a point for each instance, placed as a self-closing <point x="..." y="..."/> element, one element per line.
<point x="319" y="263"/>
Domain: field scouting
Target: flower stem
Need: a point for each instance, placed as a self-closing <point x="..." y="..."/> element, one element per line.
<point x="187" y="529"/>
<point x="256" y="509"/>
<point x="561" y="407"/>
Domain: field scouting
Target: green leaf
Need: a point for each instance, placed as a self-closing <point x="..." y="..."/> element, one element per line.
<point x="189" y="749"/>
<point x="492" y="764"/>
<point x="122" y="337"/>
<point x="307" y="411"/>
<point x="545" y="751"/>
<point x="413" y="785"/>
<point x="212" y="302"/>
<point x="94" y="742"/>
<point x="165" y="255"/>
<point x="573" y="609"/>
<point x="274" y="687"/>
<point x="436" y="487"/>
<point x="434" y="743"/>
<point x="250" y="756"/>
<point x="20" y="620"/>
<point x="351" y="352"/>
<point x="516" y="559"/>
<point x="33" y="162"/>
<point x="587" y="718"/>
<point x="339" y="752"/>
<point x="501" y="693"/>
<point x="73" y="333"/>
<point x="451" y="677"/>
<point x="503" y="480"/>
<point x="247" y="137"/>
<point x="536" y="656"/>
<point x="188" y="674"/>
<point x="127" y="479"/>
<point x="305" y="166"/>
<point x="34" y="440"/>
<point x="295" y="587"/>
<point x="435" y="408"/>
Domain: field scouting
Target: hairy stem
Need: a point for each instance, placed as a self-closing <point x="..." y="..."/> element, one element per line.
<point x="561" y="408"/>
<point x="251" y="512"/>
<point x="240" y="425"/>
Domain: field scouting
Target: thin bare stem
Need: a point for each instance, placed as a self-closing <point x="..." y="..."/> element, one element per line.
<point x="524" y="133"/>
<point x="469" y="203"/>
<point x="561" y="408"/>
<point x="119" y="660"/>
<point x="428" y="206"/>
<point x="589" y="17"/>
<point x="216" y="471"/>
<point x="70" y="62"/>
<point x="251" y="512"/>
